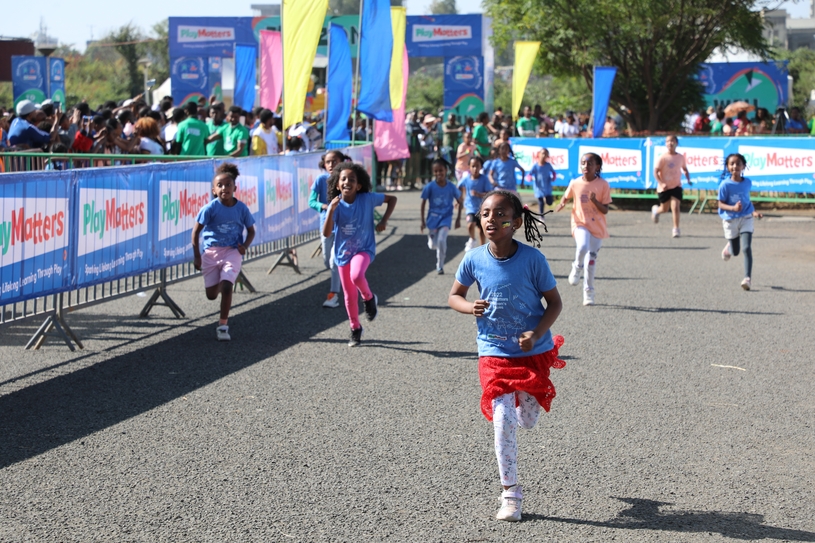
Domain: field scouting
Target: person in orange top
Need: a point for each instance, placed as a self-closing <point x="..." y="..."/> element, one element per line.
<point x="463" y="155"/>
<point x="668" y="172"/>
<point x="592" y="196"/>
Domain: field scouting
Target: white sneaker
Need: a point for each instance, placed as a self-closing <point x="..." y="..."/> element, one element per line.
<point x="222" y="333"/>
<point x="511" y="504"/>
<point x="574" y="275"/>
<point x="588" y="296"/>
<point x="468" y="245"/>
<point x="726" y="253"/>
<point x="332" y="300"/>
<point x="430" y="244"/>
<point x="745" y="284"/>
<point x="655" y="213"/>
<point x="675" y="232"/>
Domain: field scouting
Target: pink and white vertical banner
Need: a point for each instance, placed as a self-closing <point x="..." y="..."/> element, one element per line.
<point x="271" y="69"/>
<point x="390" y="139"/>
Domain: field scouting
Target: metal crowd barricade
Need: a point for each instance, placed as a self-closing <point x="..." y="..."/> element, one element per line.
<point x="32" y="161"/>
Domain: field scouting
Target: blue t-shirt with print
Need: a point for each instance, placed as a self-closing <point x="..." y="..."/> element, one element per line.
<point x="354" y="227"/>
<point x="471" y="203"/>
<point x="732" y="192"/>
<point x="542" y="179"/>
<point x="320" y="188"/>
<point x="440" y="200"/>
<point x="503" y="171"/>
<point x="514" y="288"/>
<point x="224" y="225"/>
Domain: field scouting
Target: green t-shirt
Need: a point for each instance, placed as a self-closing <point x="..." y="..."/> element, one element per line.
<point x="717" y="127"/>
<point x="216" y="148"/>
<point x="191" y="135"/>
<point x="482" y="140"/>
<point x="233" y="135"/>
<point x="531" y="125"/>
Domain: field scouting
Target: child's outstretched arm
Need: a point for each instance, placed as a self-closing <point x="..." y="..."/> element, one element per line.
<point x="687" y="175"/>
<point x="391" y="202"/>
<point x="523" y="175"/>
<point x="460" y="201"/>
<point x="421" y="218"/>
<point x="554" y="305"/>
<point x="328" y="225"/>
<point x="565" y="198"/>
<point x="250" y="235"/>
<point x="196" y="251"/>
<point x="458" y="301"/>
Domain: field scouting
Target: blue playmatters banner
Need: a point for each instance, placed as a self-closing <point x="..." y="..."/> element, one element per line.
<point x="29" y="78"/>
<point x="762" y="84"/>
<point x="34" y="235"/>
<point x="57" y="75"/>
<point x="208" y="36"/>
<point x="443" y="35"/>
<point x="113" y="217"/>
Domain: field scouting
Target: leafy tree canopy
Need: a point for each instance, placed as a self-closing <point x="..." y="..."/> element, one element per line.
<point x="656" y="45"/>
<point x="442" y="7"/>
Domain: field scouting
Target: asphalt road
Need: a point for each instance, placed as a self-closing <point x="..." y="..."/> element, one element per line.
<point x="685" y="412"/>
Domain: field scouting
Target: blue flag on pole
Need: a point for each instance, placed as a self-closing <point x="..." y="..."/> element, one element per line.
<point x="340" y="76"/>
<point x="245" y="76"/>
<point x="603" y="81"/>
<point x="375" y="49"/>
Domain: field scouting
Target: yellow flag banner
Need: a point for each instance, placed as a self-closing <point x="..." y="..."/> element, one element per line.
<point x="302" y="22"/>
<point x="525" y="54"/>
<point x="399" y="24"/>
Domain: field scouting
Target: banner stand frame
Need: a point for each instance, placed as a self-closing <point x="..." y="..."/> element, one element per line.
<point x="161" y="291"/>
<point x="291" y="256"/>
<point x="55" y="320"/>
<point x="243" y="281"/>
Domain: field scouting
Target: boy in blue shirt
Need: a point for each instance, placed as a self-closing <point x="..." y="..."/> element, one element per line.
<point x="222" y="222"/>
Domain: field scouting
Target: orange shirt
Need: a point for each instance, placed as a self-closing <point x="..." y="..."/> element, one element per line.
<point x="670" y="169"/>
<point x="464" y="162"/>
<point x="584" y="213"/>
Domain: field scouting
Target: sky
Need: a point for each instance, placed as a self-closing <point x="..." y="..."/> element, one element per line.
<point x="72" y="25"/>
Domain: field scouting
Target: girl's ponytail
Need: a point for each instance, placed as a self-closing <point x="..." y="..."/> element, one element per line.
<point x="531" y="221"/>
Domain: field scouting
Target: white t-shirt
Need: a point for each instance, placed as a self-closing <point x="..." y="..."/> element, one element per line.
<point x="269" y="138"/>
<point x="153" y="147"/>
<point x="168" y="132"/>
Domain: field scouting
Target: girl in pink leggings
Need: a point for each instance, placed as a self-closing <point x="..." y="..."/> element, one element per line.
<point x="350" y="217"/>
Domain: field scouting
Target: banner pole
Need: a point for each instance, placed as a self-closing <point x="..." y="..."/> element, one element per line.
<point x="283" y="69"/>
<point x="327" y="72"/>
<point x="357" y="85"/>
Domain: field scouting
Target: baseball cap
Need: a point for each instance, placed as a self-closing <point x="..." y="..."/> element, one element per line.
<point x="24" y="107"/>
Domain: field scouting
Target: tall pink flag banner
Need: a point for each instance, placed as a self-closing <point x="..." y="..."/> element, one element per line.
<point x="390" y="139"/>
<point x="271" y="69"/>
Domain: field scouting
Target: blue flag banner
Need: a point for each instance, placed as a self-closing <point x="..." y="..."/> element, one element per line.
<point x="375" y="49"/>
<point x="189" y="79"/>
<point x="338" y="108"/>
<point x="56" y="69"/>
<point x="245" y="76"/>
<point x="29" y="78"/>
<point x="603" y="81"/>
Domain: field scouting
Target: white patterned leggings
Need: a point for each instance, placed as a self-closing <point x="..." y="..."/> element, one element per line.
<point x="437" y="239"/>
<point x="586" y="254"/>
<point x="506" y="418"/>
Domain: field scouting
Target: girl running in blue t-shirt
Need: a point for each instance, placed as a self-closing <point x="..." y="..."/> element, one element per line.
<point x="515" y="345"/>
<point x="350" y="218"/>
<point x="441" y="194"/>
<point x="542" y="176"/>
<point x="473" y="186"/>
<point x="502" y="170"/>
<point x="737" y="212"/>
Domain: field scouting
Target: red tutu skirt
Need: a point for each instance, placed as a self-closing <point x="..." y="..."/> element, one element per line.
<point x="529" y="374"/>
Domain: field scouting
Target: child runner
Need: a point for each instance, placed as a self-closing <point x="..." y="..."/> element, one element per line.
<point x="668" y="172"/>
<point x="350" y="218"/>
<point x="502" y="170"/>
<point x="465" y="151"/>
<point x="222" y="222"/>
<point x="592" y="197"/>
<point x="473" y="186"/>
<point x="542" y="176"/>
<point x="318" y="201"/>
<point x="441" y="194"/>
<point x="515" y="344"/>
<point x="737" y="212"/>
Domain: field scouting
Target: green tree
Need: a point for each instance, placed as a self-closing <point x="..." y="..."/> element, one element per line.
<point x="425" y="92"/>
<point x="128" y="42"/>
<point x="802" y="69"/>
<point x="656" y="45"/>
<point x="441" y="7"/>
<point x="157" y="49"/>
<point x="95" y="77"/>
